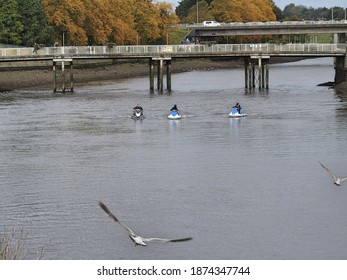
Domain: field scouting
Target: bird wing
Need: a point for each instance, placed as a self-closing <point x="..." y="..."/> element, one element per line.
<point x="343" y="179"/>
<point x="327" y="169"/>
<point x="104" y="207"/>
<point x="155" y="239"/>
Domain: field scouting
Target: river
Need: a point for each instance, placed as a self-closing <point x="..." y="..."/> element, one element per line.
<point x="248" y="188"/>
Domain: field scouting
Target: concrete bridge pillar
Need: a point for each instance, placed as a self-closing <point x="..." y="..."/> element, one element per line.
<point x="257" y="72"/>
<point x="339" y="38"/>
<point x="61" y="62"/>
<point x="160" y="73"/>
<point x="340" y="62"/>
<point x="340" y="69"/>
<point x="151" y="75"/>
<point x="168" y="75"/>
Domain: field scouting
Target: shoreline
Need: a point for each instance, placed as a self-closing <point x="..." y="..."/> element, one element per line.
<point x="88" y="74"/>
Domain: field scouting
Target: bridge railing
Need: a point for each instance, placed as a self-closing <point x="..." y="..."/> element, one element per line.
<point x="158" y="50"/>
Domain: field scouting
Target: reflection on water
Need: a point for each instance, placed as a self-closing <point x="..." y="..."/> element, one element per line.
<point x="256" y="178"/>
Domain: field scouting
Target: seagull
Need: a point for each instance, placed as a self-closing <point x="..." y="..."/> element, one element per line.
<point x="137" y="239"/>
<point x="337" y="181"/>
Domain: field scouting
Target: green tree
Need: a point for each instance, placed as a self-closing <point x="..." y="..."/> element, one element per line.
<point x="185" y="7"/>
<point x="277" y="11"/>
<point x="36" y="28"/>
<point x="198" y="13"/>
<point x="11" y="26"/>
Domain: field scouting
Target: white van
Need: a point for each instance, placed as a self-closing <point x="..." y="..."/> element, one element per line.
<point x="210" y="23"/>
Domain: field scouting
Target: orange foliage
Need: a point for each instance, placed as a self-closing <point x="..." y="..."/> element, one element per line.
<point x="68" y="17"/>
<point x="102" y="21"/>
<point x="244" y="10"/>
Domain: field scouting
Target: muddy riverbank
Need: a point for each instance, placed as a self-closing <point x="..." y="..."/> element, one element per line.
<point x="42" y="77"/>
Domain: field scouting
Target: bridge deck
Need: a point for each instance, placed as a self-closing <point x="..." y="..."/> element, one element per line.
<point x="172" y="51"/>
<point x="269" y="28"/>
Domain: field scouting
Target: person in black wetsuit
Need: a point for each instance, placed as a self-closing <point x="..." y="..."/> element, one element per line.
<point x="137" y="107"/>
<point x="238" y="107"/>
<point x="174" y="108"/>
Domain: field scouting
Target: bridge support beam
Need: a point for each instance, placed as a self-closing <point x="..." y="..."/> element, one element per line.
<point x="257" y="72"/>
<point x="61" y="62"/>
<point x="151" y="75"/>
<point x="340" y="69"/>
<point x="168" y="75"/>
<point x="339" y="38"/>
<point x="160" y="73"/>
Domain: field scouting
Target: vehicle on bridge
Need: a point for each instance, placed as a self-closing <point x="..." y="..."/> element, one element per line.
<point x="210" y="23"/>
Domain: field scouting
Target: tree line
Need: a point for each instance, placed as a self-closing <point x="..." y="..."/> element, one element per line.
<point x="301" y="12"/>
<point x="84" y="22"/>
<point x="191" y="11"/>
<point x="98" y="22"/>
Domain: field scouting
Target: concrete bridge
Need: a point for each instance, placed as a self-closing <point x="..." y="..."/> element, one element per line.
<point x="270" y="28"/>
<point x="256" y="57"/>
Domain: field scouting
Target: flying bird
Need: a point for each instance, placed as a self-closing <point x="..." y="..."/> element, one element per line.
<point x="337" y="181"/>
<point x="137" y="239"/>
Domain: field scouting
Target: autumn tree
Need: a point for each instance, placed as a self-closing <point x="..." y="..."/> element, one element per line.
<point x="97" y="21"/>
<point x="226" y="10"/>
<point x="123" y="22"/>
<point x="109" y="21"/>
<point x="167" y="18"/>
<point x="245" y="10"/>
<point x="11" y="26"/>
<point x="67" y="17"/>
<point x="146" y="21"/>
